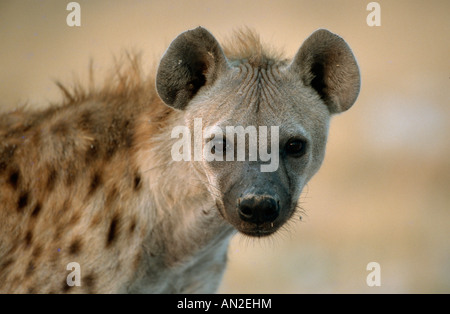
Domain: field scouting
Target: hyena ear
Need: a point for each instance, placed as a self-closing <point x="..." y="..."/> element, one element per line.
<point x="194" y="59"/>
<point x="326" y="63"/>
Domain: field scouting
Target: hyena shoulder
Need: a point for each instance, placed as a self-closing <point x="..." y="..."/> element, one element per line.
<point x="71" y="188"/>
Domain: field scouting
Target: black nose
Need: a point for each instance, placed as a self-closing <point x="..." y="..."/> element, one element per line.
<point x="258" y="208"/>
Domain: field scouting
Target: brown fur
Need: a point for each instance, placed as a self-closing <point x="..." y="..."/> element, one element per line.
<point x="245" y="45"/>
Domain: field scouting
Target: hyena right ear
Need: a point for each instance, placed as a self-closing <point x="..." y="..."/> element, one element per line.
<point x="194" y="59"/>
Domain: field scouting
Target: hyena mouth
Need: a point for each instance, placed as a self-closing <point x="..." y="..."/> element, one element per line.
<point x="259" y="231"/>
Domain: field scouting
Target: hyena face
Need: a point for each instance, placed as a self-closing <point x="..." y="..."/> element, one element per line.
<point x="234" y="97"/>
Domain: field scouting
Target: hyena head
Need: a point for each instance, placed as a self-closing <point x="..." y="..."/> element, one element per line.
<point x="239" y="94"/>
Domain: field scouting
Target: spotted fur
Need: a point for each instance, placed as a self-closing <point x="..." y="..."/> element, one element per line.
<point x="91" y="180"/>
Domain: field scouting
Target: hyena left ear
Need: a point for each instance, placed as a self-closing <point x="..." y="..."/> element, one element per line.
<point x="194" y="59"/>
<point x="326" y="63"/>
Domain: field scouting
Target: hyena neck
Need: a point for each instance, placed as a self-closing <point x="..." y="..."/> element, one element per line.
<point x="186" y="221"/>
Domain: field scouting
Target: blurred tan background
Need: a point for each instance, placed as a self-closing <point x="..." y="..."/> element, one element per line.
<point x="383" y="192"/>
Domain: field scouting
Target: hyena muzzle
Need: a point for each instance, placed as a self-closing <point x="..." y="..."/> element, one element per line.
<point x="95" y="180"/>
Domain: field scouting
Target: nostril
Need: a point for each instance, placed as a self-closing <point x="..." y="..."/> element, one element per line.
<point x="270" y="214"/>
<point x="246" y="211"/>
<point x="245" y="208"/>
<point x="270" y="210"/>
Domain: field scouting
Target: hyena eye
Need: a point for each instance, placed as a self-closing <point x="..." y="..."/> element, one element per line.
<point x="295" y="147"/>
<point x="219" y="146"/>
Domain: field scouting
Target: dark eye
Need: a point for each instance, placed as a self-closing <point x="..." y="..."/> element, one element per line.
<point x="295" y="147"/>
<point x="219" y="147"/>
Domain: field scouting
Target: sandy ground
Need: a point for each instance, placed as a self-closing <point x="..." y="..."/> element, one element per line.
<point x="382" y="194"/>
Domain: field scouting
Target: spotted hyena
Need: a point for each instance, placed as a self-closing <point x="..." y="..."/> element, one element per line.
<point x="93" y="180"/>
